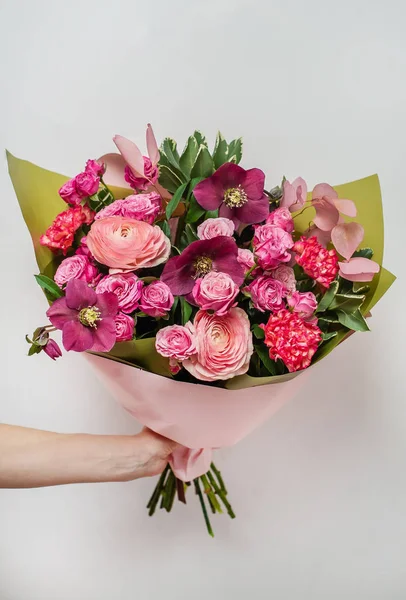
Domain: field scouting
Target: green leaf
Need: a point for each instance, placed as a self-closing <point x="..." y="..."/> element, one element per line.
<point x="187" y="160"/>
<point x="347" y="302"/>
<point x="212" y="214"/>
<point x="268" y="363"/>
<point x="203" y="166"/>
<point x="330" y="317"/>
<point x="192" y="184"/>
<point x="186" y="310"/>
<point x="235" y="149"/>
<point x="353" y="320"/>
<point x="164" y="225"/>
<point x="258" y="332"/>
<point x="364" y="253"/>
<point x="329" y="335"/>
<point x="169" y="179"/>
<point x="164" y="162"/>
<point x="174" y="201"/>
<point x="195" y="211"/>
<point x="170" y="150"/>
<point x="190" y="233"/>
<point x="200" y="138"/>
<point x="328" y="297"/>
<point x="54" y="291"/>
<point x="220" y="152"/>
<point x="359" y="287"/>
<point x="35" y="349"/>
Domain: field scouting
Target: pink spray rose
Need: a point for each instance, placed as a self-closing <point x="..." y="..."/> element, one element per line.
<point x="303" y="303"/>
<point x="124" y="327"/>
<point x="246" y="258"/>
<point x="143" y="207"/>
<point x="266" y="293"/>
<point x="126" y="286"/>
<point x="76" y="267"/>
<point x="214" y="227"/>
<point x="216" y="291"/>
<point x="286" y="276"/>
<point x="141" y="183"/>
<point x="70" y="194"/>
<point x="156" y="299"/>
<point x="87" y="183"/>
<point x="176" y="342"/>
<point x="271" y="245"/>
<point x="83" y="250"/>
<point x="224" y="345"/>
<point x="282" y="218"/>
<point x="93" y="166"/>
<point x="127" y="244"/>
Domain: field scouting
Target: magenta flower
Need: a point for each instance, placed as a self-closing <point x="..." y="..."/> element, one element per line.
<point x="239" y="194"/>
<point x="85" y="318"/>
<point x="52" y="349"/>
<point x="199" y="259"/>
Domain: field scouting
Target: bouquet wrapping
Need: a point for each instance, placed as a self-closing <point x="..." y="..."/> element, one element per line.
<point x="198" y="295"/>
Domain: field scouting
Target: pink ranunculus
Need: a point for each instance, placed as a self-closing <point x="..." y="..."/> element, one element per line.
<point x="75" y="267"/>
<point x="127" y="244"/>
<point x="87" y="183"/>
<point x="214" y="227"/>
<point x="224" y="345"/>
<point x="246" y="258"/>
<point x="156" y="299"/>
<point x="271" y="245"/>
<point x="216" y="291"/>
<point x="286" y="276"/>
<point x="281" y="217"/>
<point x="266" y="293"/>
<point x="93" y="166"/>
<point x="176" y="342"/>
<point x="124" y="327"/>
<point x="70" y="194"/>
<point x="143" y="207"/>
<point x="303" y="303"/>
<point x="141" y="183"/>
<point x="126" y="286"/>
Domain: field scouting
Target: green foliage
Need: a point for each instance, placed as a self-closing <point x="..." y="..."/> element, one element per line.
<point x="203" y="165"/>
<point x="169" y="149"/>
<point x="328" y="297"/>
<point x="220" y="152"/>
<point x="195" y="211"/>
<point x="353" y="320"/>
<point x="200" y="138"/>
<point x="364" y="253"/>
<point x="269" y="364"/>
<point x="164" y="225"/>
<point x="101" y="199"/>
<point x="258" y="332"/>
<point x="169" y="179"/>
<point x="347" y="303"/>
<point x="189" y="154"/>
<point x="235" y="151"/>
<point x="174" y="201"/>
<point x="186" y="310"/>
<point x="52" y="290"/>
<point x="328" y="335"/>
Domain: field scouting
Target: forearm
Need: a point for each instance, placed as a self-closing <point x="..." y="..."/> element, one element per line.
<point x="32" y="458"/>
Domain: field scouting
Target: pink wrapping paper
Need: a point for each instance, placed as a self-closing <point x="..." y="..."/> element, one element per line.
<point x="199" y="417"/>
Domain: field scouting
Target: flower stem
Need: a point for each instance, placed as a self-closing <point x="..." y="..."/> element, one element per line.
<point x="219" y="477"/>
<point x="210" y="494"/>
<point x="206" y="516"/>
<point x="221" y="495"/>
<point x="157" y="492"/>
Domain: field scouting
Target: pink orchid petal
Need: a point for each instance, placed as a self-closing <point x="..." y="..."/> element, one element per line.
<point x="152" y="146"/>
<point x="323" y="190"/>
<point x="289" y="195"/>
<point x="326" y="215"/>
<point x="347" y="207"/>
<point x="131" y="154"/>
<point x="346" y="238"/>
<point x="300" y="187"/>
<point x="115" y="165"/>
<point x="323" y="237"/>
<point x="359" y="269"/>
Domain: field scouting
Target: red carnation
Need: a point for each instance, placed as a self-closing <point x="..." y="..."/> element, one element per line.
<point x="60" y="235"/>
<point x="317" y="262"/>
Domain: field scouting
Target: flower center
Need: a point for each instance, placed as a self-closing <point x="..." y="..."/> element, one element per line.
<point x="89" y="316"/>
<point x="235" y="197"/>
<point x="203" y="265"/>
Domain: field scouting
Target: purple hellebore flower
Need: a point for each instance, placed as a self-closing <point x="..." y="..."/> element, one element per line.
<point x="198" y="259"/>
<point x="52" y="349"/>
<point x="85" y="318"/>
<point x="239" y="194"/>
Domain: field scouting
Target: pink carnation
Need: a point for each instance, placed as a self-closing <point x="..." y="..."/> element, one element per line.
<point x="176" y="342"/>
<point x="303" y="303"/>
<point x="93" y="166"/>
<point x="246" y="258"/>
<point x="224" y="345"/>
<point x="291" y="339"/>
<point x="126" y="286"/>
<point x="143" y="207"/>
<point x="282" y="218"/>
<point x="141" y="183"/>
<point x="76" y="267"/>
<point x="266" y="293"/>
<point x="124" y="327"/>
<point x="156" y="299"/>
<point x="317" y="262"/>
<point x="60" y="235"/>
<point x="211" y="228"/>
<point x="87" y="183"/>
<point x="216" y="291"/>
<point x="286" y="276"/>
<point x="271" y="245"/>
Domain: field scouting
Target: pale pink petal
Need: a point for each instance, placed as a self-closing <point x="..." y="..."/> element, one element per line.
<point x="347" y="207"/>
<point x="289" y="195"/>
<point x="346" y="238"/>
<point x="323" y="237"/>
<point x="152" y="146"/>
<point x="131" y="154"/>
<point x="115" y="165"/>
<point x="323" y="190"/>
<point x="326" y="215"/>
<point x="300" y="187"/>
<point x="358" y="269"/>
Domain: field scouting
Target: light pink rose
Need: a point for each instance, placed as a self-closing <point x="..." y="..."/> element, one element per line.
<point x="87" y="183"/>
<point x="266" y="293"/>
<point x="271" y="245"/>
<point x="143" y="207"/>
<point x="224" y="345"/>
<point x="126" y="286"/>
<point x="246" y="258"/>
<point x="176" y="342"/>
<point x="156" y="299"/>
<point x="286" y="276"/>
<point x="124" y="327"/>
<point x="214" y="227"/>
<point x="93" y="166"/>
<point x="70" y="194"/>
<point x="76" y="267"/>
<point x="216" y="291"/>
<point x="281" y="217"/>
<point x="303" y="303"/>
<point x="127" y="244"/>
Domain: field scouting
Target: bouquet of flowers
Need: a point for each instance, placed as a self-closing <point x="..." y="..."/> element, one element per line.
<point x="187" y="281"/>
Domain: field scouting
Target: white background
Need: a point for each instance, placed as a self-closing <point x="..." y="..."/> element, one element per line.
<point x="318" y="89"/>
